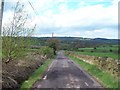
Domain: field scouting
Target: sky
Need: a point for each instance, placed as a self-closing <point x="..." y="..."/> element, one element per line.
<point x="70" y="18"/>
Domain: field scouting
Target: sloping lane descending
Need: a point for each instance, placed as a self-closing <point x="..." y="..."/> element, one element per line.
<point x="64" y="73"/>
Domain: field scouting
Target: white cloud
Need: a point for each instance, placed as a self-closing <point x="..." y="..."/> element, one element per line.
<point x="63" y="8"/>
<point x="7" y="16"/>
<point x="50" y="35"/>
<point x="97" y="16"/>
<point x="89" y="15"/>
<point x="104" y="33"/>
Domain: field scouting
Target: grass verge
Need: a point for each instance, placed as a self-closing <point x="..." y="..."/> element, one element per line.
<point x="104" y="78"/>
<point x="37" y="75"/>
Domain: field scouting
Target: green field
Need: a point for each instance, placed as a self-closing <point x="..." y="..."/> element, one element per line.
<point x="114" y="48"/>
<point x="102" y="51"/>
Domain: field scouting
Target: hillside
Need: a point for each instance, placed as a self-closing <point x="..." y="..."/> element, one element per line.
<point x="100" y="40"/>
<point x="76" y="42"/>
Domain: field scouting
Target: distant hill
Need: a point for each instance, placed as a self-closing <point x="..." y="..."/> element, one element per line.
<point x="108" y="41"/>
<point x="77" y="42"/>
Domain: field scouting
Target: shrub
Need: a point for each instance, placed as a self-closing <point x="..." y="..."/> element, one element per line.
<point x="54" y="44"/>
<point x="46" y="51"/>
<point x="111" y="50"/>
<point x="118" y="50"/>
<point x="81" y="50"/>
<point x="92" y="51"/>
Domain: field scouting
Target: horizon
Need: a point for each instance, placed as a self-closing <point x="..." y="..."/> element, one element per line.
<point x="71" y="37"/>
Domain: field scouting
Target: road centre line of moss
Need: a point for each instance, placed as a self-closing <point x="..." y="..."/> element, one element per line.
<point x="37" y="75"/>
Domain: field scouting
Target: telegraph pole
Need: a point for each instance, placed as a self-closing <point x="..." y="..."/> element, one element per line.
<point x="1" y="13"/>
<point x="1" y="16"/>
<point x="52" y="35"/>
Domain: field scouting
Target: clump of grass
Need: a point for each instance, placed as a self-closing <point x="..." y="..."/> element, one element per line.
<point x="105" y="78"/>
<point x="35" y="76"/>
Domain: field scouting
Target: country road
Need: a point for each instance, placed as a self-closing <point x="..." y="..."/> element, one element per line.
<point x="64" y="73"/>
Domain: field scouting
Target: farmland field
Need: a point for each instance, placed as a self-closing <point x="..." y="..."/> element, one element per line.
<point x="102" y="51"/>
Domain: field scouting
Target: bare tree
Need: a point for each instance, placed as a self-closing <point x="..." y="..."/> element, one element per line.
<point x="16" y="34"/>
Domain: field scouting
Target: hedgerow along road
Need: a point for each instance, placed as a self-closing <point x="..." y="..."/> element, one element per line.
<point x="64" y="73"/>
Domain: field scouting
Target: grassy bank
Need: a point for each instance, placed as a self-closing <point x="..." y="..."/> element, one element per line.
<point x="37" y="75"/>
<point x="104" y="78"/>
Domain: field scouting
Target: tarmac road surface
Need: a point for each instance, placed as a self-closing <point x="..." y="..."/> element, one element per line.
<point x="64" y="73"/>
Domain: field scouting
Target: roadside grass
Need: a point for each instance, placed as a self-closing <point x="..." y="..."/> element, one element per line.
<point x="107" y="80"/>
<point x="37" y="75"/>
